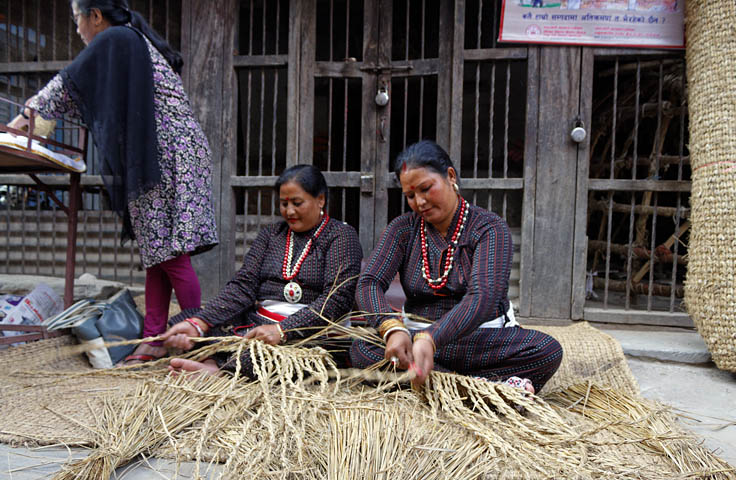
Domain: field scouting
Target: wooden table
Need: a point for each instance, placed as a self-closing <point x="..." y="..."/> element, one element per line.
<point x="25" y="161"/>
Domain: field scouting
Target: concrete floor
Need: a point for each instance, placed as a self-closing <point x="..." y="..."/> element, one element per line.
<point x="674" y="367"/>
<point x="671" y="366"/>
<point x="703" y="397"/>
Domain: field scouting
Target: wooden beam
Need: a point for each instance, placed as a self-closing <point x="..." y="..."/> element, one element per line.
<point x="210" y="29"/>
<point x="597" y="184"/>
<point x="661" y="254"/>
<point x="492" y="183"/>
<point x="637" y="317"/>
<point x="33" y="67"/>
<point x="657" y="289"/>
<point x="334" y="179"/>
<point x="380" y="136"/>
<point x="602" y="206"/>
<point x="61" y="180"/>
<point x="526" y="269"/>
<point x="228" y="163"/>
<point x="634" y="52"/>
<point x="403" y="68"/>
<point x="259" y="61"/>
<point x="668" y="244"/>
<point x="481" y="54"/>
<point x="307" y="52"/>
<point x="556" y="183"/>
<point x="371" y="202"/>
<point x="456" y="94"/>
<point x="346" y="69"/>
<point x="293" y="92"/>
<point x="444" y="77"/>
<point x="580" y="244"/>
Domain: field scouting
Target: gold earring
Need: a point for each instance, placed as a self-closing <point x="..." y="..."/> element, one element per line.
<point x="457" y="189"/>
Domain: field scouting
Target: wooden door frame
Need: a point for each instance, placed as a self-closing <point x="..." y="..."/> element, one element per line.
<point x="208" y="62"/>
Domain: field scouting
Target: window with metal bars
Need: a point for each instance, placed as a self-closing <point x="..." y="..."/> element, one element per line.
<point x="639" y="185"/>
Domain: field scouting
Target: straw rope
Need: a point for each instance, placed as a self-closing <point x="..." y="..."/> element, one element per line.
<point x="710" y="287"/>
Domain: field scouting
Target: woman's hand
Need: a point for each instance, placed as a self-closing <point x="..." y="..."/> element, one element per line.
<point x="179" y="335"/>
<point x="19" y="122"/>
<point x="423" y="352"/>
<point x="270" y="334"/>
<point x="398" y="345"/>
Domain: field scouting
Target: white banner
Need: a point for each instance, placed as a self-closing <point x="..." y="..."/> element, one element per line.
<point x="621" y="23"/>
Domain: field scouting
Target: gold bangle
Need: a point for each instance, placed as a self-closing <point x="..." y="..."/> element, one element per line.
<point x="281" y="333"/>
<point x="389" y="324"/>
<point x="425" y="336"/>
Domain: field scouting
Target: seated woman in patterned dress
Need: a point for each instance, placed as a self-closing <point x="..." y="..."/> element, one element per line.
<point x="289" y="272"/>
<point x="454" y="261"/>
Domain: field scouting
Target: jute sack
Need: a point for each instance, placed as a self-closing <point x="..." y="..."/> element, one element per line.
<point x="710" y="287"/>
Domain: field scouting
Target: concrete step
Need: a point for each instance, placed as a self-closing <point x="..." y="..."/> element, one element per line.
<point x="671" y="345"/>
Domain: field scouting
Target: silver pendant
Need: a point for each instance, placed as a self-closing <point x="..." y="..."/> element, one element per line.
<point x="292" y="292"/>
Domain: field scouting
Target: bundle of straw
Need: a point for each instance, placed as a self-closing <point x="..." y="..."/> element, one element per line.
<point x="152" y="416"/>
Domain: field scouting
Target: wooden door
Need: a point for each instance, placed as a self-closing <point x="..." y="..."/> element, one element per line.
<point x="555" y="242"/>
<point x="303" y="86"/>
<point x="353" y="49"/>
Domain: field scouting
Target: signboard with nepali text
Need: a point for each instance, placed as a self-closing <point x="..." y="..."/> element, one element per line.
<point x="620" y="23"/>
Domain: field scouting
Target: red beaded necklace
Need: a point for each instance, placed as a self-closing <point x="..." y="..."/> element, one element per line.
<point x="287" y="272"/>
<point x="438" y="283"/>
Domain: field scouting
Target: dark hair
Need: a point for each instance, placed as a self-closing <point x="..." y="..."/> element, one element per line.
<point x="117" y="13"/>
<point x="308" y="177"/>
<point x="424" y="154"/>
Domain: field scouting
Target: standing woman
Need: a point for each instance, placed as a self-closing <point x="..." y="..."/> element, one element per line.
<point x="454" y="260"/>
<point x="125" y="87"/>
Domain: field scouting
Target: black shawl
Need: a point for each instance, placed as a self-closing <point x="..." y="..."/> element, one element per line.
<point x="111" y="82"/>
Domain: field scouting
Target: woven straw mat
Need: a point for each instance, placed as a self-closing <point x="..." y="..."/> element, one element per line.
<point x="589" y="355"/>
<point x="710" y="287"/>
<point x="49" y="398"/>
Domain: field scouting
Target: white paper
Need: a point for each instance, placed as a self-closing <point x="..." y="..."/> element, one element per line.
<point x="40" y="304"/>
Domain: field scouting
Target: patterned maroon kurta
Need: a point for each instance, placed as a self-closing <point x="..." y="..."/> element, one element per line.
<point x="177" y="215"/>
<point x="334" y="259"/>
<point x="476" y="292"/>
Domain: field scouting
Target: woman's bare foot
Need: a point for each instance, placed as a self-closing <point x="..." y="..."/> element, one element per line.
<point x="521" y="383"/>
<point x="516" y="382"/>
<point x="181" y="365"/>
<point x="144" y="353"/>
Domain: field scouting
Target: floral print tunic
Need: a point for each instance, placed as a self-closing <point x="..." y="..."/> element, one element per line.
<point x="177" y="215"/>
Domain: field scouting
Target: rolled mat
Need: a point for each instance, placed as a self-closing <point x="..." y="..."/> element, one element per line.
<point x="710" y="286"/>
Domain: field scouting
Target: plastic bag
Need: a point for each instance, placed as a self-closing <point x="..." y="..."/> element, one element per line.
<point x="112" y="321"/>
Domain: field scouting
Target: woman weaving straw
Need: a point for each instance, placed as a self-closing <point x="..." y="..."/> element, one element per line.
<point x="454" y="260"/>
<point x="305" y="264"/>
